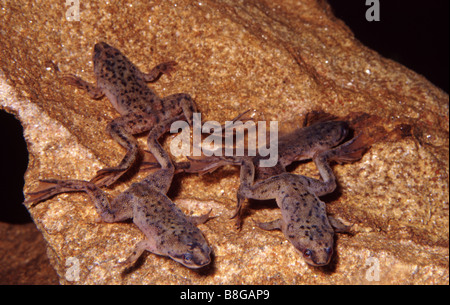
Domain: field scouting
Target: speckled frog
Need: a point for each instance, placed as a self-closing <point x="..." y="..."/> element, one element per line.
<point x="304" y="220"/>
<point x="140" y="107"/>
<point x="168" y="231"/>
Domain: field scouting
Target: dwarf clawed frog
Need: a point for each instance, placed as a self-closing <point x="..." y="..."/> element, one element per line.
<point x="139" y="106"/>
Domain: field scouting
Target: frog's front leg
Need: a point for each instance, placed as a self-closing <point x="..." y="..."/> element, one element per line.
<point x="117" y="210"/>
<point x="247" y="176"/>
<point x="196" y="220"/>
<point x="93" y="91"/>
<point x="347" y="152"/>
<point x="163" y="68"/>
<point x="271" y="225"/>
<point x="143" y="245"/>
<point x="274" y="187"/>
<point x="150" y="243"/>
<point x="181" y="101"/>
<point x="338" y="225"/>
<point x="315" y="186"/>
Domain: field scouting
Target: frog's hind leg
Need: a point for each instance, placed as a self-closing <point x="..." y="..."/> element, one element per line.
<point x="108" y="213"/>
<point x="162" y="177"/>
<point x="49" y="188"/>
<point x="121" y="130"/>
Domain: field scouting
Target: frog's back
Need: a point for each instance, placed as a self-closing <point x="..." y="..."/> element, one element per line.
<point x="303" y="143"/>
<point x="157" y="216"/>
<point x="156" y="212"/>
<point x="121" y="80"/>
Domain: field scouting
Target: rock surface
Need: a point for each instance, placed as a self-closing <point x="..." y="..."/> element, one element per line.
<point x="282" y="58"/>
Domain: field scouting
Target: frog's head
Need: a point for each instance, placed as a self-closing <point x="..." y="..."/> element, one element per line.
<point x="333" y="132"/>
<point x="314" y="243"/>
<point x="104" y="55"/>
<point x="192" y="252"/>
<point x="316" y="254"/>
<point x="101" y="49"/>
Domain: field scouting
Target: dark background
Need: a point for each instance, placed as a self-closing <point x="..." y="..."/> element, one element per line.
<point x="413" y="33"/>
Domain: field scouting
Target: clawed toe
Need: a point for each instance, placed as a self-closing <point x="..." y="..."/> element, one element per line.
<point x="107" y="176"/>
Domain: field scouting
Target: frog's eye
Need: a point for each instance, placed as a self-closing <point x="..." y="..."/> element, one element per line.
<point x="307" y="253"/>
<point x="188" y="257"/>
<point x="329" y="250"/>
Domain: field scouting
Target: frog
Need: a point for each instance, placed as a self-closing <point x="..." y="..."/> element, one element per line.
<point x="304" y="222"/>
<point x="140" y="108"/>
<point x="168" y="231"/>
<point x="303" y="143"/>
<point x="298" y="145"/>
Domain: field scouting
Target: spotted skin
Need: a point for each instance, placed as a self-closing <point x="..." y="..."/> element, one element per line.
<point x="304" y="220"/>
<point x="140" y="107"/>
<point x="168" y="231"/>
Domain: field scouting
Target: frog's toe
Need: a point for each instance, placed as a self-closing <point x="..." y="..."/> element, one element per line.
<point x="107" y="176"/>
<point x="167" y="67"/>
<point x="73" y="80"/>
<point x="269" y="226"/>
<point x="196" y="220"/>
<point x="45" y="190"/>
<point x="339" y="226"/>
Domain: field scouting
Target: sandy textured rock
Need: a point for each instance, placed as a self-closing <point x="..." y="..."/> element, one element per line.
<point x="282" y="58"/>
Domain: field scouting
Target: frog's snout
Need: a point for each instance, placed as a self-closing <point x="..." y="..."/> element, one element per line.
<point x="100" y="46"/>
<point x="318" y="257"/>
